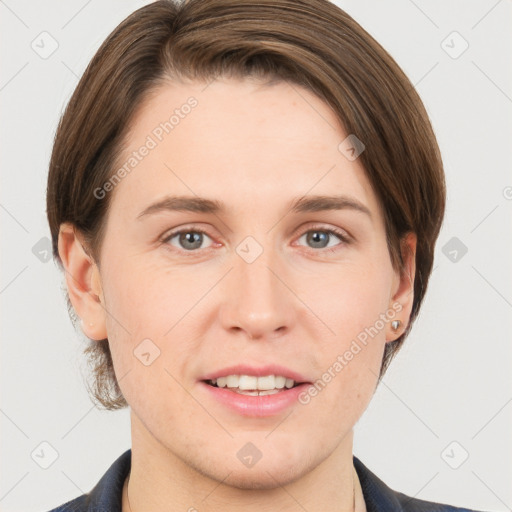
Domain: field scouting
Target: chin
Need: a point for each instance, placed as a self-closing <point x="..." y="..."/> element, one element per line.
<point x="261" y="479"/>
<point x="264" y="475"/>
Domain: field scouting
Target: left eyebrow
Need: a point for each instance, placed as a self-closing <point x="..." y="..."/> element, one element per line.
<point x="299" y="205"/>
<point x="322" y="203"/>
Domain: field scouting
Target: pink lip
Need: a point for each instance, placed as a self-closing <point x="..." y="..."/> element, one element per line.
<point x="256" y="406"/>
<point x="244" y="369"/>
<point x="259" y="406"/>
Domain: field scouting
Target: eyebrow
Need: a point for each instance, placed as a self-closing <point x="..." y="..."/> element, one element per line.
<point x="303" y="204"/>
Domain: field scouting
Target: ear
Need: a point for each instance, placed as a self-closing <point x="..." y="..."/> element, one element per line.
<point x="83" y="282"/>
<point x="402" y="296"/>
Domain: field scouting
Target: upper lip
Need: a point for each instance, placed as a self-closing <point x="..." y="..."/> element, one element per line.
<point x="257" y="371"/>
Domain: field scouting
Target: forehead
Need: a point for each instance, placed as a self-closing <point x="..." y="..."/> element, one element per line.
<point x="239" y="141"/>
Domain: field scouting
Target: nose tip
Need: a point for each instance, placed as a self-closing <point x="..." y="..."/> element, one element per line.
<point x="257" y="334"/>
<point x="256" y="302"/>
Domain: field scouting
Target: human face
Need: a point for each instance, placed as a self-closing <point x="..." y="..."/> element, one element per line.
<point x="256" y="284"/>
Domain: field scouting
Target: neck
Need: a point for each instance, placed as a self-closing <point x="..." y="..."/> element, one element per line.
<point x="160" y="481"/>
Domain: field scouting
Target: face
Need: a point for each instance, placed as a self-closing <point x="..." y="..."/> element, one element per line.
<point x="263" y="278"/>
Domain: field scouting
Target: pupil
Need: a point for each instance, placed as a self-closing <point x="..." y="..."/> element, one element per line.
<point x="191" y="237"/>
<point x="318" y="237"/>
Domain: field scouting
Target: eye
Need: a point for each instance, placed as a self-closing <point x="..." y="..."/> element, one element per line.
<point x="321" y="238"/>
<point x="192" y="240"/>
<point x="187" y="239"/>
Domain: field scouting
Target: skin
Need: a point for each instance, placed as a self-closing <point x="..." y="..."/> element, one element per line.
<point x="254" y="147"/>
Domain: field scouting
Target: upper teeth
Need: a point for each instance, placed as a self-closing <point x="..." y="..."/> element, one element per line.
<point x="251" y="382"/>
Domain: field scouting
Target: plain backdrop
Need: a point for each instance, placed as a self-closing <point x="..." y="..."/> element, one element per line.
<point x="439" y="426"/>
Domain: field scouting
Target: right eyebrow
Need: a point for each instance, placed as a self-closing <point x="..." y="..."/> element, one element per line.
<point x="184" y="203"/>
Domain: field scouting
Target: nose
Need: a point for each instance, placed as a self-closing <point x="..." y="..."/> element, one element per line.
<point x="257" y="300"/>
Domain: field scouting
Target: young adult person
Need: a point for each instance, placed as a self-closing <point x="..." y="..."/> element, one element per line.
<point x="244" y="197"/>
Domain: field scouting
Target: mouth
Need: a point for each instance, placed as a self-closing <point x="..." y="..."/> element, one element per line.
<point x="252" y="385"/>
<point x="254" y="391"/>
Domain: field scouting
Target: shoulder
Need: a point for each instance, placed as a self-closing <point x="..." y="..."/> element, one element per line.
<point x="381" y="498"/>
<point x="409" y="504"/>
<point x="106" y="496"/>
<point x="76" y="505"/>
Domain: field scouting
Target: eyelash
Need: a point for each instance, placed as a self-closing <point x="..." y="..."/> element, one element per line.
<point x="344" y="238"/>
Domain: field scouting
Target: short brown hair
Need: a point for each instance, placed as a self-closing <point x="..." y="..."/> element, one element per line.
<point x="311" y="43"/>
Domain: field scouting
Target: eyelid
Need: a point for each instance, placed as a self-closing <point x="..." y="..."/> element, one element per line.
<point x="343" y="234"/>
<point x="186" y="229"/>
<point x="344" y="237"/>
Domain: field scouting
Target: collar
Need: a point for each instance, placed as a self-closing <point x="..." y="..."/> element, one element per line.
<point x="106" y="496"/>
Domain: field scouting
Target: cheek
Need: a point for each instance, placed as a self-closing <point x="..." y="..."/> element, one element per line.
<point x="349" y="299"/>
<point x="147" y="366"/>
<point x="154" y="316"/>
<point x="148" y="299"/>
<point x="352" y="303"/>
<point x="144" y="308"/>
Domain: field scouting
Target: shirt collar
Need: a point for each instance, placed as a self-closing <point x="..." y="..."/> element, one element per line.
<point x="107" y="494"/>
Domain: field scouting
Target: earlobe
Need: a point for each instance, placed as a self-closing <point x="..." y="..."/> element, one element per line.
<point x="403" y="289"/>
<point x="83" y="282"/>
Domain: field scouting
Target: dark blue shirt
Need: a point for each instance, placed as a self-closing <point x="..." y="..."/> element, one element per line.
<point x="106" y="496"/>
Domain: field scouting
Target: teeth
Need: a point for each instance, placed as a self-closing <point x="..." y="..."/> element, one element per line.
<point x="231" y="381"/>
<point x="246" y="392"/>
<point x="280" y="381"/>
<point x="250" y="383"/>
<point x="245" y="382"/>
<point x="269" y="392"/>
<point x="265" y="383"/>
<point x="256" y="393"/>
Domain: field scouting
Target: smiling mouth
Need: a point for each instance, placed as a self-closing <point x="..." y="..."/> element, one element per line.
<point x="254" y="386"/>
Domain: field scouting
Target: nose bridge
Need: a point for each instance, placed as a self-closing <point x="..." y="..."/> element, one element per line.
<point x="257" y="301"/>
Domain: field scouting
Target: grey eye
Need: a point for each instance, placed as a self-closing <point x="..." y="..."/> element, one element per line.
<point x="188" y="240"/>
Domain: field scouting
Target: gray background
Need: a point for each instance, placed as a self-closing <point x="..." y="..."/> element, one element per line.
<point x="448" y="394"/>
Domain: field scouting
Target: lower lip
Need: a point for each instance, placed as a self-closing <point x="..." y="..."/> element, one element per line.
<point x="248" y="405"/>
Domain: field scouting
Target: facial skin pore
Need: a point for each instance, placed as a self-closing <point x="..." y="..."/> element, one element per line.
<point x="299" y="304"/>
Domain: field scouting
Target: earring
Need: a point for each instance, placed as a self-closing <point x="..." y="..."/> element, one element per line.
<point x="395" y="325"/>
